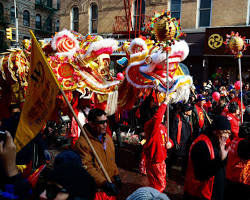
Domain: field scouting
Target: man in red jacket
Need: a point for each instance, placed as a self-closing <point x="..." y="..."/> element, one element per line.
<point x="155" y="149"/>
<point x="233" y="117"/>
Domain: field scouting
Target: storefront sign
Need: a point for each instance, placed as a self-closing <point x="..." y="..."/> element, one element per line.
<point x="215" y="37"/>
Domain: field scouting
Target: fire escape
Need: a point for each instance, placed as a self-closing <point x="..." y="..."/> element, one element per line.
<point x="46" y="29"/>
<point x="133" y="23"/>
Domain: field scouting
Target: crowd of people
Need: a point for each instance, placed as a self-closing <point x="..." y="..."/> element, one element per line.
<point x="209" y="134"/>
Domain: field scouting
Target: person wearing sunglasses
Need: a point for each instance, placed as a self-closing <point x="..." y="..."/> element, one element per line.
<point x="104" y="146"/>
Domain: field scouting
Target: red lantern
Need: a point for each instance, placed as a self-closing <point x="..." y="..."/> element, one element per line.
<point x="237" y="85"/>
<point x="216" y="96"/>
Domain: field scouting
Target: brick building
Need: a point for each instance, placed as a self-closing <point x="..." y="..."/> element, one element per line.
<point x="38" y="15"/>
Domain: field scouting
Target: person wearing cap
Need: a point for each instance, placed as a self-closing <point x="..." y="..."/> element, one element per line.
<point x="199" y="116"/>
<point x="205" y="176"/>
<point x="180" y="133"/>
<point x="155" y="148"/>
<point x="104" y="147"/>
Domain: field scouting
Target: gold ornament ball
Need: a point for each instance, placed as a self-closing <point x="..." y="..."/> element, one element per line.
<point x="164" y="30"/>
<point x="236" y="43"/>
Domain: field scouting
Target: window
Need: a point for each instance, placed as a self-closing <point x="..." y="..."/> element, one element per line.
<point x="49" y="24"/>
<point x="49" y="3"/>
<point x="12" y="15"/>
<point x="38" y="21"/>
<point x="248" y="13"/>
<point x="1" y="12"/>
<point x="75" y="19"/>
<point x="139" y="9"/>
<point x="57" y="26"/>
<point x="26" y="18"/>
<point x="176" y="9"/>
<point x="93" y="18"/>
<point x="58" y="4"/>
<point x="205" y="13"/>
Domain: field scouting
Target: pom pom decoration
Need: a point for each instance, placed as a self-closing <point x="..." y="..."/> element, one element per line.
<point x="216" y="96"/>
<point x="237" y="85"/>
<point x="235" y="44"/>
<point x="65" y="43"/>
<point x="164" y="28"/>
<point x="120" y="76"/>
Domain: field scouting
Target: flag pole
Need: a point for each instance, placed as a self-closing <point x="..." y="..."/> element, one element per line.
<point x="241" y="94"/>
<point x="167" y="113"/>
<point x="86" y="136"/>
<point x="71" y="109"/>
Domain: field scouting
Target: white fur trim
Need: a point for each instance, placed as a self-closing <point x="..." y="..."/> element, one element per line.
<point x="180" y="46"/>
<point x="137" y="41"/>
<point x="105" y="43"/>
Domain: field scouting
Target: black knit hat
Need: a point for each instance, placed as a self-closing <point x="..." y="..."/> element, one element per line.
<point x="67" y="156"/>
<point x="75" y="179"/>
<point x="221" y="123"/>
<point x="186" y="107"/>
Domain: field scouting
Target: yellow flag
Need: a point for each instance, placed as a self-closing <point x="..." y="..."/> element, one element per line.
<point x="40" y="99"/>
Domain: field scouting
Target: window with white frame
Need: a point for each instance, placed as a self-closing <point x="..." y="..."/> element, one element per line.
<point x="26" y="18"/>
<point x="75" y="19"/>
<point x="176" y="9"/>
<point x="139" y="14"/>
<point x="205" y="13"/>
<point x="38" y="22"/>
<point x="93" y="18"/>
<point x="12" y="15"/>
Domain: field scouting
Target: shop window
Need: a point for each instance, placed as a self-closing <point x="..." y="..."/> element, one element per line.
<point x="75" y="19"/>
<point x="1" y="12"/>
<point x="93" y="18"/>
<point x="139" y="9"/>
<point x="205" y="13"/>
<point x="176" y="9"/>
<point x="38" y="22"/>
<point x="12" y="15"/>
<point x="26" y="18"/>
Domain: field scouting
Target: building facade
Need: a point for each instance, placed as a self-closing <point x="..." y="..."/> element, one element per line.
<point x="41" y="16"/>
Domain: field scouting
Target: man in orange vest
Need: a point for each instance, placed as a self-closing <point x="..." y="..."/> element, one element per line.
<point x="238" y="165"/>
<point x="199" y="119"/>
<point x="205" y="176"/>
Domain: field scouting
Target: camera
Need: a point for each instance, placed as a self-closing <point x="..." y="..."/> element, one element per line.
<point x="2" y="136"/>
